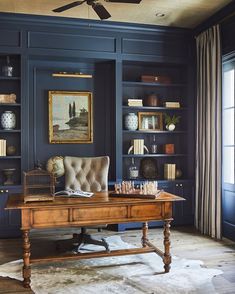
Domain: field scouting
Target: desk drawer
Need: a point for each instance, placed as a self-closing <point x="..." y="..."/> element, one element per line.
<point x="150" y="210"/>
<point x="50" y="216"/>
<point x="99" y="213"/>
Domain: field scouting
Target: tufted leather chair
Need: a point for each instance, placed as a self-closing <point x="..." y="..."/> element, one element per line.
<point x="87" y="174"/>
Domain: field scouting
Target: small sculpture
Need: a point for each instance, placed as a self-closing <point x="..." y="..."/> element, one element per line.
<point x="128" y="187"/>
<point x="148" y="168"/>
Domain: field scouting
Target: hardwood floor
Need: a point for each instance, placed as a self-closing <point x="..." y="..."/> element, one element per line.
<point x="186" y="242"/>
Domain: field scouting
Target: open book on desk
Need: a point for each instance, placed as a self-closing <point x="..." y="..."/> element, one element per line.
<point x="73" y="193"/>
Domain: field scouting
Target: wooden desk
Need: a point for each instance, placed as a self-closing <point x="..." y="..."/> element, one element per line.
<point x="99" y="209"/>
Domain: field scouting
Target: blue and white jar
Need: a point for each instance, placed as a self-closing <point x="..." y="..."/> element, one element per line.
<point x="8" y="120"/>
<point x="131" y="121"/>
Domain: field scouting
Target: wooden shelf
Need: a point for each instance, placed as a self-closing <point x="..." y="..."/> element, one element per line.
<point x="10" y="104"/>
<point x="9" y="187"/>
<point x="152" y="108"/>
<point x="9" y="78"/>
<point x="10" y="131"/>
<point x="37" y="186"/>
<point x="10" y="157"/>
<point x="153" y="155"/>
<point x="162" y="181"/>
<point x="154" y="132"/>
<point x="142" y="84"/>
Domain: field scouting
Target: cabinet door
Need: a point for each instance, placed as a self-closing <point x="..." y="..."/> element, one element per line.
<point x="183" y="211"/>
<point x="166" y="186"/>
<point x="9" y="219"/>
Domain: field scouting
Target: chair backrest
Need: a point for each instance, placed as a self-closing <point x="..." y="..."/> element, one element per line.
<point x="86" y="173"/>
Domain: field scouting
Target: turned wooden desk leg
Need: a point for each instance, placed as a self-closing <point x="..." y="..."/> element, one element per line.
<point x="26" y="259"/>
<point x="167" y="243"/>
<point x="145" y="232"/>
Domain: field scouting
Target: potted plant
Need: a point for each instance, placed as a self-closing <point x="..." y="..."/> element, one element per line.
<point x="171" y="121"/>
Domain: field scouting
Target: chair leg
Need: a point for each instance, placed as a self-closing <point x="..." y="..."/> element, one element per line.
<point x="79" y="240"/>
<point x="84" y="238"/>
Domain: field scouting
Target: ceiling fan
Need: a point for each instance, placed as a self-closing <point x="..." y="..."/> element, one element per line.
<point x="98" y="7"/>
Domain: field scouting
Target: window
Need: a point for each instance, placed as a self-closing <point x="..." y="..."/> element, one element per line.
<point x="228" y="113"/>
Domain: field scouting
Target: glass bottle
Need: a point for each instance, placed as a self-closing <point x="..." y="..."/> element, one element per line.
<point x="7" y="69"/>
<point x="133" y="171"/>
<point x="153" y="145"/>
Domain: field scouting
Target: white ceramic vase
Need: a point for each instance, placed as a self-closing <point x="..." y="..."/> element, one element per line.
<point x="131" y="121"/>
<point x="8" y="120"/>
<point x="170" y="127"/>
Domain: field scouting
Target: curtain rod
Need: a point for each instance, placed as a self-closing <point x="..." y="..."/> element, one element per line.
<point x="218" y="22"/>
<point x="226" y="17"/>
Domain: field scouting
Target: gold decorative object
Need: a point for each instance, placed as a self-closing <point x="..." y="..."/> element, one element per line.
<point x="65" y="74"/>
<point x="39" y="185"/>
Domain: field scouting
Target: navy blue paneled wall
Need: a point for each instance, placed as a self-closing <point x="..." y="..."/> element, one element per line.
<point x="52" y="44"/>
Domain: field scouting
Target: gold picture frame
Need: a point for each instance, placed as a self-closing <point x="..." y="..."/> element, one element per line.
<point x="70" y="117"/>
<point x="150" y="121"/>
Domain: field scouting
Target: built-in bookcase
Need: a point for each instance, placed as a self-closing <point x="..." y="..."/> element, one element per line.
<point x="11" y="85"/>
<point x="175" y="91"/>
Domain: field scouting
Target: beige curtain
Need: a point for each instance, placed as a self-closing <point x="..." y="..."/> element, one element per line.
<point x="208" y="133"/>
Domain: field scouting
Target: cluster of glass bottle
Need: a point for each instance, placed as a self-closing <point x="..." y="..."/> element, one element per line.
<point x="133" y="171"/>
<point x="7" y="69"/>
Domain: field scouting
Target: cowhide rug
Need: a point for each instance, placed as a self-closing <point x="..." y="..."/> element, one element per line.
<point x="133" y="274"/>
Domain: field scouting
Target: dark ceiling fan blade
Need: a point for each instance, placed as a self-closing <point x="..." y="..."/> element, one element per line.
<point x="101" y="11"/>
<point x="68" y="6"/>
<point x="124" y="1"/>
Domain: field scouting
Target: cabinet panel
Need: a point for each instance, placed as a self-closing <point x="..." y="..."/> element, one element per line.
<point x="153" y="47"/>
<point x="71" y="42"/>
<point x="10" y="220"/>
<point x="183" y="211"/>
<point x="228" y="204"/>
<point x="11" y="38"/>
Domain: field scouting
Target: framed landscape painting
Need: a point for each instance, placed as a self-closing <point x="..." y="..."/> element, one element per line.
<point x="70" y="117"/>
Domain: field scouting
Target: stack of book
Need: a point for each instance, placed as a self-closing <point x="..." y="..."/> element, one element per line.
<point x="172" y="104"/>
<point x="135" y="102"/>
<point x="169" y="171"/>
<point x="3" y="144"/>
<point x="138" y="146"/>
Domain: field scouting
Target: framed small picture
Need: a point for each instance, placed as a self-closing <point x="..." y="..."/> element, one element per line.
<point x="70" y="117"/>
<point x="150" y="121"/>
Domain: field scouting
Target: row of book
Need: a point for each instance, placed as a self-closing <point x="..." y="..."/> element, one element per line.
<point x="138" y="145"/>
<point x="172" y="104"/>
<point x="169" y="171"/>
<point x="3" y="147"/>
<point x="135" y="102"/>
<point x="139" y="102"/>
